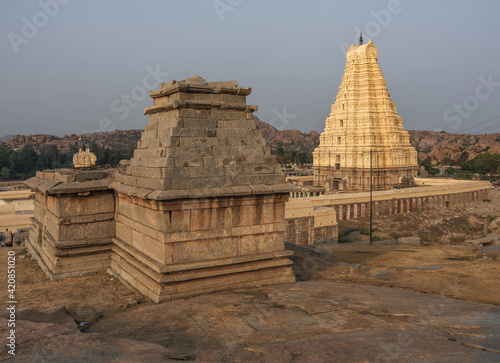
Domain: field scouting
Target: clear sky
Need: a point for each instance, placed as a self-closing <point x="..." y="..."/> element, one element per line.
<point x="74" y="66"/>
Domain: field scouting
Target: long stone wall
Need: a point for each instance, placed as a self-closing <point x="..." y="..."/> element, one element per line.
<point x="430" y="192"/>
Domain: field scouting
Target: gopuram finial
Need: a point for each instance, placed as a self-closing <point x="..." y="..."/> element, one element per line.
<point x="360" y="38"/>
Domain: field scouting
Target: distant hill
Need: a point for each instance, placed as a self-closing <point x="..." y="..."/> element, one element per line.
<point x="443" y="148"/>
<point x="118" y="139"/>
<point x="288" y="139"/>
<point x="439" y="147"/>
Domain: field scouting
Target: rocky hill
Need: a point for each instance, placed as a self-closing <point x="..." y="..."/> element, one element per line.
<point x="288" y="139"/>
<point x="439" y="147"/>
<point x="445" y="148"/>
<point x="118" y="139"/>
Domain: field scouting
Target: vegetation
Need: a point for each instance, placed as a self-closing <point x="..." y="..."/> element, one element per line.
<point x="486" y="165"/>
<point x="483" y="164"/>
<point x="292" y="156"/>
<point x="463" y="175"/>
<point x="431" y="169"/>
<point x="394" y="235"/>
<point x="366" y="231"/>
<point x="23" y="164"/>
<point x="450" y="171"/>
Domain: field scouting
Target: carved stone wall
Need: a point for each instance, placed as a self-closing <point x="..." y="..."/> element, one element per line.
<point x="200" y="207"/>
<point x="74" y="221"/>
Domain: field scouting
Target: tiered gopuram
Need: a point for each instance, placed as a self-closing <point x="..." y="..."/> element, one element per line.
<point x="363" y="128"/>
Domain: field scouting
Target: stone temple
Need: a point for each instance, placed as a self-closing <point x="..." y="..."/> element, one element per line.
<point x="363" y="119"/>
<point x="199" y="208"/>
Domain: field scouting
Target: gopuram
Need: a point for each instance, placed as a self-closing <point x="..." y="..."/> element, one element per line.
<point x="199" y="208"/>
<point x="363" y="132"/>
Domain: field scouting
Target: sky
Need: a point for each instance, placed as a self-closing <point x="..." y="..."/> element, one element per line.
<point x="77" y="66"/>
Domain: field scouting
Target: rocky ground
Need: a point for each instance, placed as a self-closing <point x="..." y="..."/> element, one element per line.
<point x="309" y="321"/>
<point x="442" y="226"/>
<point x="353" y="303"/>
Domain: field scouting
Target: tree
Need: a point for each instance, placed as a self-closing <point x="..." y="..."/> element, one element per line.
<point x="24" y="162"/>
<point x="483" y="164"/>
<point x="450" y="171"/>
<point x="5" y="173"/>
<point x="281" y="156"/>
<point x="305" y="158"/>
<point x="51" y="158"/>
<point x="5" y="152"/>
<point x="429" y="167"/>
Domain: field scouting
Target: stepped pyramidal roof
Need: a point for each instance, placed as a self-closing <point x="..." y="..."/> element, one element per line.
<point x="363" y="118"/>
<point x="202" y="135"/>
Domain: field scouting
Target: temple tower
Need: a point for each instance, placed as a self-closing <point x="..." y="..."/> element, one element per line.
<point x="199" y="208"/>
<point x="363" y="119"/>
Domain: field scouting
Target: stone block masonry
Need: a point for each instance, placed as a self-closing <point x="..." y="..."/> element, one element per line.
<point x="199" y="208"/>
<point x="428" y="193"/>
<point x="73" y="225"/>
<point x="306" y="223"/>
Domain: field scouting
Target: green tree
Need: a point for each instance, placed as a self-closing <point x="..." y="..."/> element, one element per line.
<point x="450" y="171"/>
<point x="305" y="158"/>
<point x="5" y="153"/>
<point x="281" y="155"/>
<point x="5" y="173"/>
<point x="24" y="161"/>
<point x="484" y="163"/>
<point x="50" y="158"/>
<point x="429" y="167"/>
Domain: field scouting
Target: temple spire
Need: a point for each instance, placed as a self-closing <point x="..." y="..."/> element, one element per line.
<point x="364" y="134"/>
<point x="360" y="38"/>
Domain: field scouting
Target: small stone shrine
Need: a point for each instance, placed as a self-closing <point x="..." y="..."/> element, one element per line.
<point x="363" y="132"/>
<point x="84" y="158"/>
<point x="200" y="207"/>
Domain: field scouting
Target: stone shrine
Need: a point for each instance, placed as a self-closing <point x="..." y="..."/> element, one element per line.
<point x="84" y="158"/>
<point x="200" y="207"/>
<point x="363" y="128"/>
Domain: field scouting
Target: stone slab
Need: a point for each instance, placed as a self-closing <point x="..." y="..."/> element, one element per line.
<point x="412" y="241"/>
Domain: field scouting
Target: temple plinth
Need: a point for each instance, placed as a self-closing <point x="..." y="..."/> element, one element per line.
<point x="199" y="208"/>
<point x="363" y="129"/>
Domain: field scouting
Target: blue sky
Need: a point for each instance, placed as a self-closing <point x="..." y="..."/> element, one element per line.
<point x="74" y="66"/>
